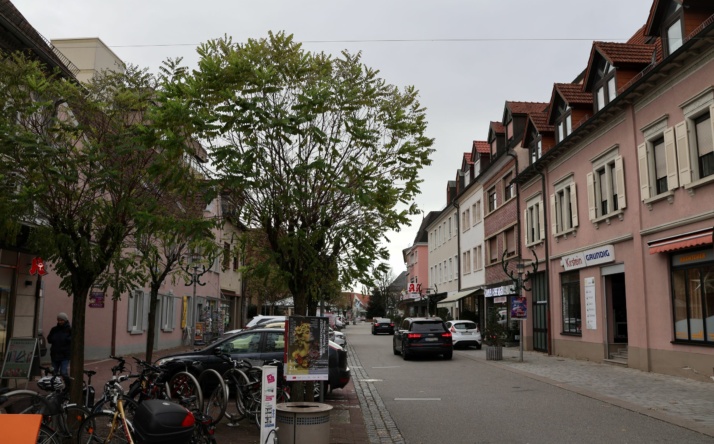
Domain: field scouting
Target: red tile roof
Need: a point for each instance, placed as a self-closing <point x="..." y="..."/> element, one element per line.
<point x="540" y="122"/>
<point x="573" y="94"/>
<point x="626" y="53"/>
<point x="526" y="107"/>
<point x="467" y="158"/>
<point x="498" y="127"/>
<point x="481" y="147"/>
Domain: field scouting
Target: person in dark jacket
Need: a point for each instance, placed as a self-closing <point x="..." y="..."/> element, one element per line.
<point x="60" y="338"/>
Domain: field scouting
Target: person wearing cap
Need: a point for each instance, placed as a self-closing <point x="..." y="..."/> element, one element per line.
<point x="60" y="338"/>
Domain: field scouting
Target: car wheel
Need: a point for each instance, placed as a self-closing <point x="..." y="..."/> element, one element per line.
<point x="394" y="349"/>
<point x="478" y="346"/>
<point x="448" y="355"/>
<point x="405" y="353"/>
<point x="373" y="332"/>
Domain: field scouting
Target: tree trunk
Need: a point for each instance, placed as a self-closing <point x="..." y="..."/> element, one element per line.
<point x="153" y="302"/>
<point x="76" y="362"/>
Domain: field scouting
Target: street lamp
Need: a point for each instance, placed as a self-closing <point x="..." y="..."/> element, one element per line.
<point x="519" y="280"/>
<point x="192" y="270"/>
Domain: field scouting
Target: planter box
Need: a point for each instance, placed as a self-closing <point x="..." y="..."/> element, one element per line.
<point x="494" y="353"/>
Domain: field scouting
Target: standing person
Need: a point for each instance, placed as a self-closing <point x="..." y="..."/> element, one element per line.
<point x="60" y="338"/>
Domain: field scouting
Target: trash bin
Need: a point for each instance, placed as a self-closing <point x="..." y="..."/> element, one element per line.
<point x="303" y="423"/>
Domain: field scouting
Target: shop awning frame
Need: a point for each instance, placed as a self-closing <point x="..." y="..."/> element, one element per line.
<point x="682" y="241"/>
<point x="456" y="297"/>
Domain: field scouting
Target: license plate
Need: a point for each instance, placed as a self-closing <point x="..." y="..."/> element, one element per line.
<point x="466" y="333"/>
<point x="431" y="339"/>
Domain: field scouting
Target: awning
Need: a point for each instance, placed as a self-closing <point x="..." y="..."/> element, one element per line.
<point x="456" y="296"/>
<point x="682" y="241"/>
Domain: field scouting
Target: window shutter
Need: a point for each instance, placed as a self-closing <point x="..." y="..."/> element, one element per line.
<point x="590" y="177"/>
<point x="574" y="204"/>
<point x="685" y="170"/>
<point x="541" y="220"/>
<point x="670" y="154"/>
<point x="554" y="219"/>
<point x="133" y="300"/>
<point x="172" y="311"/>
<point x="528" y="227"/>
<point x="620" y="178"/>
<point x="644" y="171"/>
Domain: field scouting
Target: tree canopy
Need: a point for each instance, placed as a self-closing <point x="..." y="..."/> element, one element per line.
<point x="318" y="151"/>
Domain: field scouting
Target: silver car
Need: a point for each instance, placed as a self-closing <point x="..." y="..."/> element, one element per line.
<point x="464" y="333"/>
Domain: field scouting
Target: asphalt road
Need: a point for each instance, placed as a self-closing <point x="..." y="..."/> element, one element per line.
<point x="471" y="401"/>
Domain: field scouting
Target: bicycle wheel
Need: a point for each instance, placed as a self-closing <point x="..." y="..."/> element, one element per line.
<point x="48" y="436"/>
<point x="183" y="385"/>
<point x="215" y="405"/>
<point x="103" y="427"/>
<point x="25" y="401"/>
<point x="236" y="384"/>
<point x="72" y="417"/>
<point x="130" y="407"/>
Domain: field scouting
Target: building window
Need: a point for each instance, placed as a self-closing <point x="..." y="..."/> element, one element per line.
<point x="673" y="28"/>
<point x="167" y="313"/>
<point x="508" y="187"/>
<point x="451" y="270"/>
<point x="570" y="287"/>
<point x="509" y="242"/>
<point x="492" y="200"/>
<point x="534" y="221"/>
<point x="606" y="188"/>
<point x="693" y="303"/>
<point x="476" y="210"/>
<point x="564" y="122"/>
<point x="536" y="150"/>
<point x="493" y="250"/>
<point x="449" y="228"/>
<point x="705" y="144"/>
<point x="466" y="267"/>
<point x="605" y="87"/>
<point x="478" y="258"/>
<point x="466" y="219"/>
<point x="564" y="206"/>
<point x="226" y="256"/>
<point x="137" y="311"/>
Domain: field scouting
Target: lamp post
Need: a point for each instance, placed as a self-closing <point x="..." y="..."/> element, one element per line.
<point x="519" y="281"/>
<point x="195" y="279"/>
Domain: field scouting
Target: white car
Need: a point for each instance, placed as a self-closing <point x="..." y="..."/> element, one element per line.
<point x="464" y="333"/>
<point x="338" y="337"/>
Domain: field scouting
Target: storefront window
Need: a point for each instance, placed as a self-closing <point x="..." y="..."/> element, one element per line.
<point x="693" y="300"/>
<point x="570" y="285"/>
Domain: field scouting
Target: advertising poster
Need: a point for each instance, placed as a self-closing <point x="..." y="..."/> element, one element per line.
<point x="307" y="351"/>
<point x="18" y="359"/>
<point x="519" y="308"/>
<point x="96" y="299"/>
<point x="269" y="391"/>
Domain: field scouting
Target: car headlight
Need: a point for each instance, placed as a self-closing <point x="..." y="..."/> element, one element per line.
<point x="164" y="361"/>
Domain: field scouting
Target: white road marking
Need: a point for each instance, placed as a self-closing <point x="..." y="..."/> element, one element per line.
<point x="417" y="399"/>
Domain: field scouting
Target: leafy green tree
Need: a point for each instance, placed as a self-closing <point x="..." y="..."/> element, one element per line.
<point x="320" y="153"/>
<point x="85" y="160"/>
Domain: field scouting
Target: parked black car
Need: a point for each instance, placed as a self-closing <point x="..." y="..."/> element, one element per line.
<point x="255" y="346"/>
<point x="422" y="336"/>
<point x="382" y="325"/>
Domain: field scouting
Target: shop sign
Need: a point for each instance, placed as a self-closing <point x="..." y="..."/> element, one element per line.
<point x="96" y="299"/>
<point x="590" y="306"/>
<point x="692" y="258"/>
<point x="499" y="291"/>
<point x="588" y="258"/>
<point x="306" y="354"/>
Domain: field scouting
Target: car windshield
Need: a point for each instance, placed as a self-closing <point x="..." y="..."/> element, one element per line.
<point x="425" y="327"/>
<point x="464" y="325"/>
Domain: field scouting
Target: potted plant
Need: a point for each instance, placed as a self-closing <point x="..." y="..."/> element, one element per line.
<point x="494" y="336"/>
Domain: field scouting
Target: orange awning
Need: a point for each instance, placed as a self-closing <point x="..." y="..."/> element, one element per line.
<point x="682" y="241"/>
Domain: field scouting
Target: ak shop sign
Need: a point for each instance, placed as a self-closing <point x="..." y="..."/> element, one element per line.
<point x="588" y="258"/>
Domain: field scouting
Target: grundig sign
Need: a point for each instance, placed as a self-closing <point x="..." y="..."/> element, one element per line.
<point x="588" y="258"/>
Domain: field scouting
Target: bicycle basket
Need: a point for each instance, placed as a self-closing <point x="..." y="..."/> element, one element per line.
<point x="50" y="383"/>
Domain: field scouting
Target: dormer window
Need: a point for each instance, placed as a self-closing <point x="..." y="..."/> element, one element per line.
<point x="673" y="28"/>
<point x="564" y="122"/>
<point x="509" y="126"/>
<point x="606" y="86"/>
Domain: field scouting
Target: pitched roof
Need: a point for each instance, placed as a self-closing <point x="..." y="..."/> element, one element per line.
<point x="497" y="127"/>
<point x="626" y="53"/>
<point x="526" y="107"/>
<point x="481" y="147"/>
<point x="540" y="121"/>
<point x="467" y="158"/>
<point x="573" y="94"/>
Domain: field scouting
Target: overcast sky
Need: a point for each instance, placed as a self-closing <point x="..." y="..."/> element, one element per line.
<point x="465" y="57"/>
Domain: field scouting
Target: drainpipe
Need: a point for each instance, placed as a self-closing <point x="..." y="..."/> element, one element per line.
<point x="458" y="243"/>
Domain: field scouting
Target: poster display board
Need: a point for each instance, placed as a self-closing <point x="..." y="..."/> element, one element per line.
<point x="269" y="390"/>
<point x="18" y="359"/>
<point x="519" y="308"/>
<point x="307" y="351"/>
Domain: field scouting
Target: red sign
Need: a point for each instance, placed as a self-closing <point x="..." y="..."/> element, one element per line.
<point x="414" y="288"/>
<point x="38" y="267"/>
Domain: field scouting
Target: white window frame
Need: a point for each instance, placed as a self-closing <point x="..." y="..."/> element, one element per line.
<point x="564" y="207"/>
<point x="534" y="221"/>
<point x="646" y="161"/>
<point x="610" y="165"/>
<point x="478" y="258"/>
<point x="138" y="312"/>
<point x="493" y="191"/>
<point x="476" y="210"/>
<point x="685" y="134"/>
<point x="168" y="307"/>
